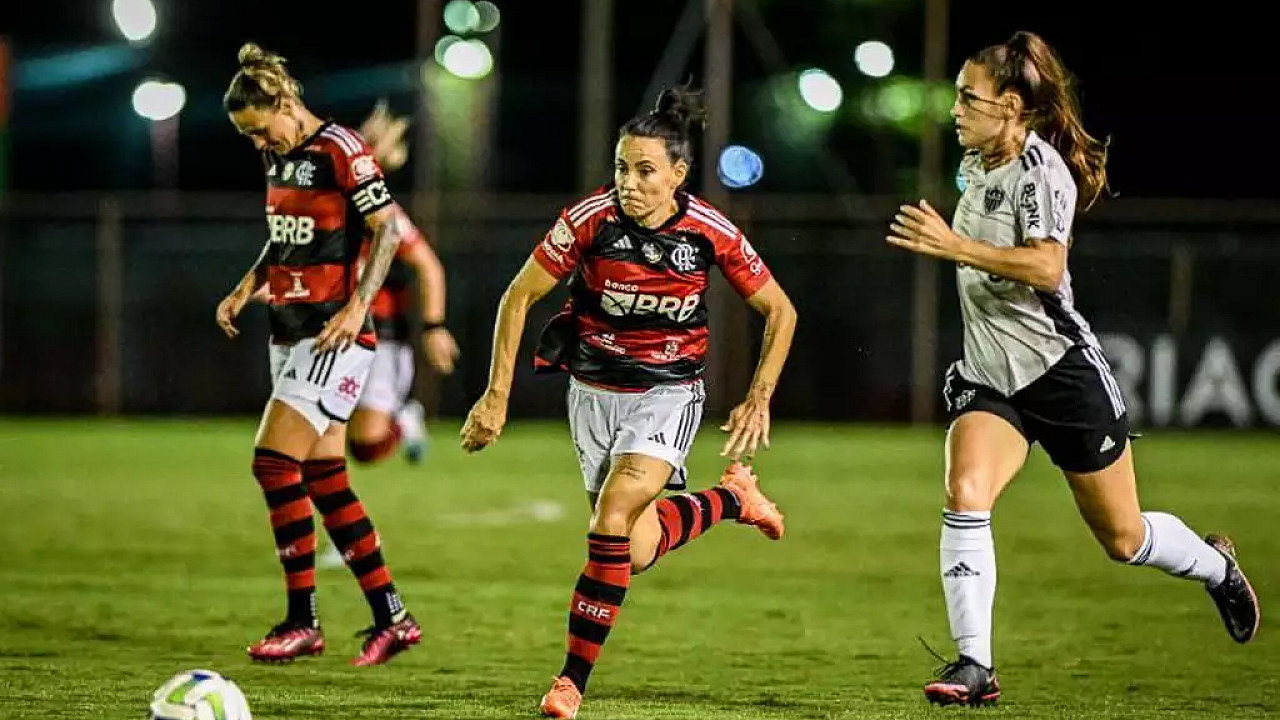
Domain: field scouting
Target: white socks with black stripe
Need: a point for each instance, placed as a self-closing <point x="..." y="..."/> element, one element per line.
<point x="967" y="560"/>
<point x="1171" y="546"/>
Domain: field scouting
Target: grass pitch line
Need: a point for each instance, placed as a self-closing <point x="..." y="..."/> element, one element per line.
<point x="534" y="511"/>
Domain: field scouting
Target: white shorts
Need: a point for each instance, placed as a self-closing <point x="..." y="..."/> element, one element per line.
<point x="660" y="422"/>
<point x="324" y="387"/>
<point x="390" y="378"/>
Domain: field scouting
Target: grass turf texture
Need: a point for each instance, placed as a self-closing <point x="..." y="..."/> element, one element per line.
<point x="133" y="550"/>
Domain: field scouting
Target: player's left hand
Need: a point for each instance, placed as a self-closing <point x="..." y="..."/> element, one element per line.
<point x="922" y="230"/>
<point x="440" y="348"/>
<point x="485" y="422"/>
<point x="341" y="330"/>
<point x="748" y="428"/>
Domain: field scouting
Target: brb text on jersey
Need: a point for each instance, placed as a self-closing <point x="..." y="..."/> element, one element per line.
<point x="636" y="315"/>
<point x="318" y="196"/>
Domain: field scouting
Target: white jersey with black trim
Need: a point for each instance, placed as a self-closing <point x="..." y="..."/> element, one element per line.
<point x="1013" y="333"/>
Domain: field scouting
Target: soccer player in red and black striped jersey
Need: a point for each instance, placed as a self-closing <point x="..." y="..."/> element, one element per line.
<point x="387" y="415"/>
<point x="325" y="195"/>
<point x="638" y="254"/>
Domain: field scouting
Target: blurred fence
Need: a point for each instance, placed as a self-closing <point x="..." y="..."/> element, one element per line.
<point x="106" y="306"/>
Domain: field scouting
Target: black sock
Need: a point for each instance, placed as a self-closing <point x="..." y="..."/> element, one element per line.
<point x="302" y="607"/>
<point x="387" y="606"/>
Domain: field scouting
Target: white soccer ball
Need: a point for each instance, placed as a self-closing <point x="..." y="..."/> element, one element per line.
<point x="199" y="695"/>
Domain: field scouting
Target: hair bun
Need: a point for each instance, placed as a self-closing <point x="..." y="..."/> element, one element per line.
<point x="682" y="106"/>
<point x="252" y="55"/>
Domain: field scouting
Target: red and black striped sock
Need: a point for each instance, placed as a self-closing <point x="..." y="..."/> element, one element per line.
<point x="280" y="478"/>
<point x="685" y="517"/>
<point x="596" y="599"/>
<point x="363" y="452"/>
<point x="352" y="532"/>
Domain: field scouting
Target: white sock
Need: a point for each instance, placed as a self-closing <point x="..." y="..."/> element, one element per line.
<point x="410" y="419"/>
<point x="1171" y="546"/>
<point x="967" y="558"/>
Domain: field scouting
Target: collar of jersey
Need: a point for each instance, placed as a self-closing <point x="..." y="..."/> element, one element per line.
<point x="983" y="172"/>
<point x="682" y="205"/>
<point x="307" y="141"/>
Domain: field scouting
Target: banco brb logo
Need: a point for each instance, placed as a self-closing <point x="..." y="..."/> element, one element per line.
<point x="619" y="303"/>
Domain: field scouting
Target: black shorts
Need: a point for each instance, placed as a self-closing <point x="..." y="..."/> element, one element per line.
<point x="1075" y="410"/>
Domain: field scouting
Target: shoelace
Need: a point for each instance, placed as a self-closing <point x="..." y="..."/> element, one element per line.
<point x="371" y="634"/>
<point x="948" y="666"/>
<point x="286" y="627"/>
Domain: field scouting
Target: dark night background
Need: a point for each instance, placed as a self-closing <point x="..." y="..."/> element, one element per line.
<point x="1184" y="102"/>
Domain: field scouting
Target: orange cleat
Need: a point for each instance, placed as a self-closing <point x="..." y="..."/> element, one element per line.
<point x="562" y="700"/>
<point x="757" y="509"/>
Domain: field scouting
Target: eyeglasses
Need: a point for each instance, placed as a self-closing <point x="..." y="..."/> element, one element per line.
<point x="970" y="99"/>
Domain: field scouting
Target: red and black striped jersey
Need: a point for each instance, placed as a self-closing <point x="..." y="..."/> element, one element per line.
<point x="636" y="297"/>
<point x="317" y="198"/>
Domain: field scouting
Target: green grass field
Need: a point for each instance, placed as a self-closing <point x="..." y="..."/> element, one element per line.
<point x="133" y="550"/>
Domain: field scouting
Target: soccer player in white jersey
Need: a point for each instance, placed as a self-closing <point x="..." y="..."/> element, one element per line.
<point x="1032" y="370"/>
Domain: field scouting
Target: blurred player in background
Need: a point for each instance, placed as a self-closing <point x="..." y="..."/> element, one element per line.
<point x="633" y="339"/>
<point x="386" y="413"/>
<point x="1032" y="370"/>
<point x="325" y="195"/>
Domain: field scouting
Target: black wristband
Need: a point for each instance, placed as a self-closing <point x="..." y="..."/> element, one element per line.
<point x="428" y="326"/>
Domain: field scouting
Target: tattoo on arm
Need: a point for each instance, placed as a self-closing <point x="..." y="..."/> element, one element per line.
<point x="259" y="269"/>
<point x="257" y="274"/>
<point x="385" y="241"/>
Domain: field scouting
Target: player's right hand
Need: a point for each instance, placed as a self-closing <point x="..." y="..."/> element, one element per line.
<point x="384" y="133"/>
<point x="228" y="310"/>
<point x="484" y="422"/>
<point x="441" y="349"/>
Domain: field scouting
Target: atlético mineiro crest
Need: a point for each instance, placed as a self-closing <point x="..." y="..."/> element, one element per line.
<point x="992" y="200"/>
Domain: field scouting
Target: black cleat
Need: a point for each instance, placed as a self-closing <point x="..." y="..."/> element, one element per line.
<point x="1234" y="596"/>
<point x="964" y="682"/>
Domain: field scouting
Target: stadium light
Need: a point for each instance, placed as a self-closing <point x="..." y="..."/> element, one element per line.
<point x="820" y="91"/>
<point x="461" y="16"/>
<point x="136" y="19"/>
<point x="873" y="58"/>
<point x="739" y="167"/>
<point x="443" y="45"/>
<point x="468" y="59"/>
<point x="489" y="17"/>
<point x="157" y="100"/>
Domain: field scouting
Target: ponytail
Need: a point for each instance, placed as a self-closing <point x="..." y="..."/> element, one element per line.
<point x="1027" y="65"/>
